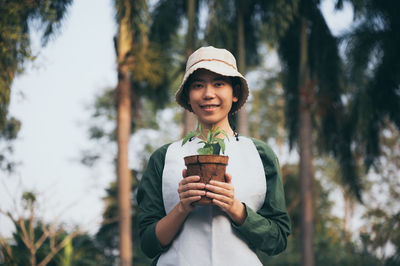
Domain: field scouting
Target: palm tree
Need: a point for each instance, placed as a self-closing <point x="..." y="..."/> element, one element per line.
<point x="313" y="87"/>
<point x="188" y="117"/>
<point x="231" y="25"/>
<point x="139" y="73"/>
<point x="127" y="13"/>
<point x="373" y="59"/>
<point x="15" y="49"/>
<point x="16" y="23"/>
<point x="124" y="47"/>
<point x="167" y="19"/>
<point x="241" y="10"/>
<point x="240" y="26"/>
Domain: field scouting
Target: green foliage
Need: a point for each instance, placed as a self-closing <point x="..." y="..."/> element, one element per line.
<point x="210" y="139"/>
<point x="36" y="240"/>
<point x="326" y="85"/>
<point x="102" y="128"/>
<point x="8" y="133"/>
<point x="166" y="34"/>
<point x="221" y="30"/>
<point x="16" y="20"/>
<point x="331" y="245"/>
<point x="107" y="238"/>
<point x="82" y="249"/>
<point x="266" y="117"/>
<point x="373" y="60"/>
<point x="276" y="17"/>
<point x="167" y="18"/>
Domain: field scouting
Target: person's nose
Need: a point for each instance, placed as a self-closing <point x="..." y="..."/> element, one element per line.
<point x="209" y="91"/>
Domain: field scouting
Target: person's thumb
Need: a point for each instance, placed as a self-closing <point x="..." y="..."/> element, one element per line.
<point x="228" y="178"/>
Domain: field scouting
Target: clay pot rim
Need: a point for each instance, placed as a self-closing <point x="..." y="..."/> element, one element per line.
<point x="206" y="158"/>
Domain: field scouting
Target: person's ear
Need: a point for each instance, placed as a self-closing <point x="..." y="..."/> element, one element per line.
<point x="236" y="90"/>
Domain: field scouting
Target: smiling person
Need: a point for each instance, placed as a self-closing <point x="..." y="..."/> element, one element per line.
<point x="248" y="211"/>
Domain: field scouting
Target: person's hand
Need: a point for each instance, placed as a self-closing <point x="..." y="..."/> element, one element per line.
<point x="190" y="190"/>
<point x="223" y="195"/>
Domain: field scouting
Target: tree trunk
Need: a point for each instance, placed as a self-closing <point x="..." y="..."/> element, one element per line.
<point x="189" y="119"/>
<point x="123" y="134"/>
<point x="306" y="156"/>
<point x="243" y="127"/>
<point x="33" y="257"/>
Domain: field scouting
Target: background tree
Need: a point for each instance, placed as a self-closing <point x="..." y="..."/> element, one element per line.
<point x="168" y="17"/>
<point x="312" y="83"/>
<point x="324" y="93"/>
<point x="373" y="61"/>
<point x="137" y="63"/>
<point x="17" y="20"/>
<point x="36" y="243"/>
<point x="232" y="25"/>
<point x="242" y="27"/>
<point x="124" y="44"/>
<point x="8" y="134"/>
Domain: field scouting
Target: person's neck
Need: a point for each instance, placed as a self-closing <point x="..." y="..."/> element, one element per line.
<point x="224" y="126"/>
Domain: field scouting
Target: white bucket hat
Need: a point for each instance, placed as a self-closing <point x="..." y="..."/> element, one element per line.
<point x="219" y="61"/>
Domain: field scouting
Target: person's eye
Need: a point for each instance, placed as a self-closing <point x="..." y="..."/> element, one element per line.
<point x="219" y="84"/>
<point x="196" y="85"/>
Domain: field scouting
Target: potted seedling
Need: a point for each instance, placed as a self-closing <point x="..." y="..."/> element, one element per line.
<point x="208" y="165"/>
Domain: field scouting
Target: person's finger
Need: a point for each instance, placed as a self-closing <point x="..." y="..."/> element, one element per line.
<point x="228" y="178"/>
<point x="190" y="179"/>
<point x="218" y="196"/>
<point x="184" y="172"/>
<point x="187" y="203"/>
<point x="223" y="205"/>
<point x="220" y="188"/>
<point x="190" y="186"/>
<point x="192" y="199"/>
<point x="191" y="193"/>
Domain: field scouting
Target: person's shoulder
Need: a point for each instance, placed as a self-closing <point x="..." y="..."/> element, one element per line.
<point x="157" y="159"/>
<point x="263" y="147"/>
<point x="160" y="151"/>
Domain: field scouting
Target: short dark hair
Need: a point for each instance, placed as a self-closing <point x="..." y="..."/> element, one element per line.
<point x="235" y="83"/>
<point x="237" y="92"/>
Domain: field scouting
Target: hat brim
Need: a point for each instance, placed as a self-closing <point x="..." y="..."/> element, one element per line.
<point x="220" y="68"/>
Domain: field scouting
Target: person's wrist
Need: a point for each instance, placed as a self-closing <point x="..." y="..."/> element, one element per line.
<point x="182" y="210"/>
<point x="239" y="213"/>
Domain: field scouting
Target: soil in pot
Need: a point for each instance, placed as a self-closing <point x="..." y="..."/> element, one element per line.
<point x="208" y="167"/>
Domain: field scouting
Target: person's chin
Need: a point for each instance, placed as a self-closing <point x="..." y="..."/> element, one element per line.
<point x="210" y="120"/>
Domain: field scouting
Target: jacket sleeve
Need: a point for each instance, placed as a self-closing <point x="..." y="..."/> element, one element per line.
<point x="268" y="228"/>
<point x="151" y="205"/>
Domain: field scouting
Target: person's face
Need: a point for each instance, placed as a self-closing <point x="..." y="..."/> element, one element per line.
<point x="211" y="97"/>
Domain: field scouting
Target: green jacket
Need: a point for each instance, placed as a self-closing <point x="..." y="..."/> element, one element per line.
<point x="265" y="229"/>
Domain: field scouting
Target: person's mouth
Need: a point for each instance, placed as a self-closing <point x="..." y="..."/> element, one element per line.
<point x="209" y="107"/>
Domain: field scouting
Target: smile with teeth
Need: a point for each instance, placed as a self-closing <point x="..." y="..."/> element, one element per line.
<point x="209" y="107"/>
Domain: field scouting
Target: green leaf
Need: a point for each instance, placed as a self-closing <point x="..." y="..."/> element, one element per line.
<point x="217" y="131"/>
<point x="212" y="137"/>
<point x="209" y="136"/>
<point x="200" y="130"/>
<point x="206" y="150"/>
<point x="188" y="136"/>
<point x="221" y="143"/>
<point x="224" y="133"/>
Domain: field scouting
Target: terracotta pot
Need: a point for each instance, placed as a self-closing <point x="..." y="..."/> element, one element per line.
<point x="208" y="167"/>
